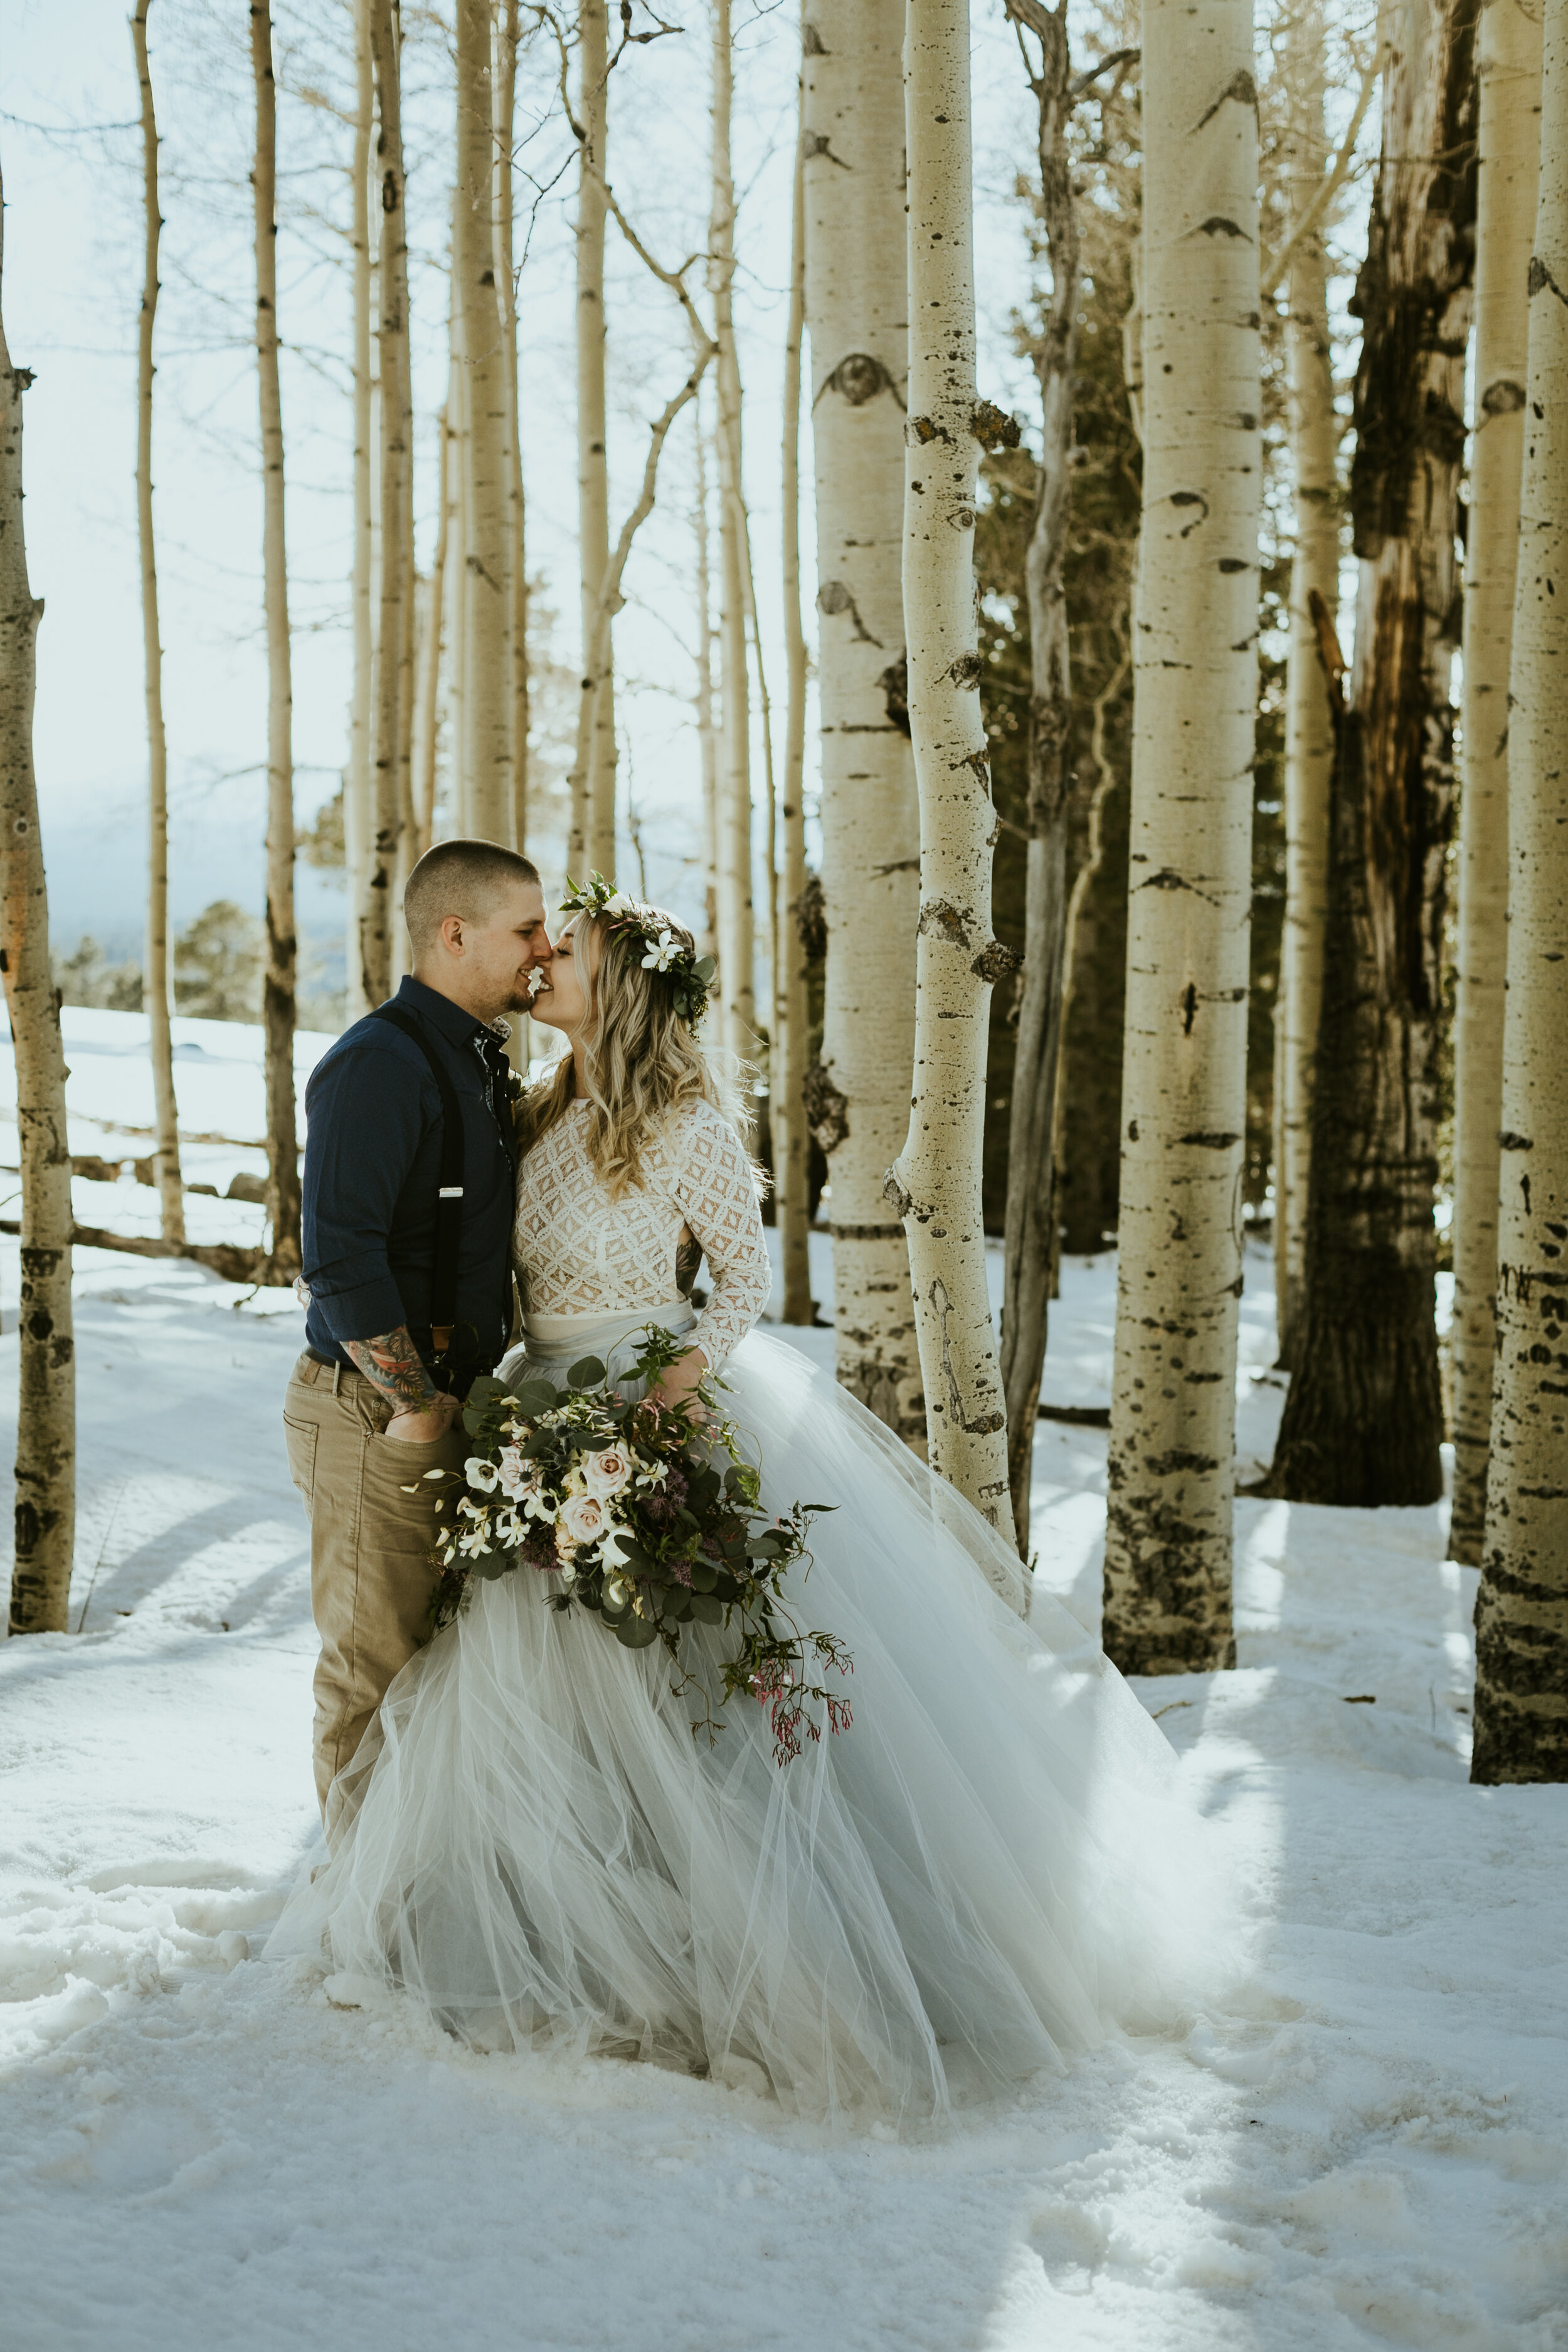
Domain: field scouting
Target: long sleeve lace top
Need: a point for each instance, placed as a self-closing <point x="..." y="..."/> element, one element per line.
<point x="577" y="1252"/>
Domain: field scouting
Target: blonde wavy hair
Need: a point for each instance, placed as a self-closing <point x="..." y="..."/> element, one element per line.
<point x="642" y="1060"/>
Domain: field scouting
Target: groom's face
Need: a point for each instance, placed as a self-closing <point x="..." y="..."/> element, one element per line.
<point x="500" y="950"/>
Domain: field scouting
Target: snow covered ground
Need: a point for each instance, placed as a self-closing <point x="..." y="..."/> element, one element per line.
<point x="1370" y="2147"/>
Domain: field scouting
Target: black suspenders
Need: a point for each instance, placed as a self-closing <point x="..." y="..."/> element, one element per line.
<point x="449" y="1192"/>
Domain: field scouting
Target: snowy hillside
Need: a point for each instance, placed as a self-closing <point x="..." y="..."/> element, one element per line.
<point x="1370" y="2147"/>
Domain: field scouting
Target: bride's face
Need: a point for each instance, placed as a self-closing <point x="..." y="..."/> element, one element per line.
<point x="561" y="1003"/>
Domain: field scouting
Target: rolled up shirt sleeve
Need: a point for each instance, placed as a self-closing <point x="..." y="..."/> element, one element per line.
<point x="366" y="1116"/>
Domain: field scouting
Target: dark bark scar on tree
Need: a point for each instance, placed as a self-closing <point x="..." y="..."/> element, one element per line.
<point x="1241" y="87"/>
<point x="941" y="918"/>
<point x="834" y="598"/>
<point x="984" y="1423"/>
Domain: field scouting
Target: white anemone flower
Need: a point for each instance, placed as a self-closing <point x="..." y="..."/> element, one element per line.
<point x="481" y="1473"/>
<point x="612" y="1549"/>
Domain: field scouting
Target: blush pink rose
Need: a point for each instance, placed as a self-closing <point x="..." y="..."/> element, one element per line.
<point x="583" y="1519"/>
<point x="605" y="1474"/>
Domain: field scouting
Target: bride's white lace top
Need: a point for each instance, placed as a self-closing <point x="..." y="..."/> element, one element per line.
<point x="577" y="1252"/>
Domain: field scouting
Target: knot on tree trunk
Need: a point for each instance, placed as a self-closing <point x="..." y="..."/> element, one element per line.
<point x="995" y="960"/>
<point x="895" y="685"/>
<point x="826" y="1110"/>
<point x="811" y="920"/>
<point x="895" y="1197"/>
<point x="859" y="378"/>
<point x="994" y="428"/>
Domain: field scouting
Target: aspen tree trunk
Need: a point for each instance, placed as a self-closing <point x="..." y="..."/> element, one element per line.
<point x="934" y="1183"/>
<point x="737" y="949"/>
<point x="378" y="900"/>
<point x="486" y="577"/>
<point x="358" y="821"/>
<point x="407" y="692"/>
<point x="856" y="299"/>
<point x="1507" y="177"/>
<point x="591" y="847"/>
<point x="156" y="984"/>
<point x="1521" y="1612"/>
<point x="1363" y="1419"/>
<point x="707" y="741"/>
<point x="278" y="990"/>
<point x="786" y="1106"/>
<point x="1308" y="732"/>
<point x="506" y="37"/>
<point x="1030" y="1239"/>
<point x="46" y="1407"/>
<point x="456" y="561"/>
<point x="427" y="703"/>
<point x="1173" y="1414"/>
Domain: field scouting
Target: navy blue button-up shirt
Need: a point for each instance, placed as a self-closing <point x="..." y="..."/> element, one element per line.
<point x="372" y="1164"/>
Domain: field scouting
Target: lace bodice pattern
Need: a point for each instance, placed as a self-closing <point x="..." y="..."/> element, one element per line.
<point x="577" y="1252"/>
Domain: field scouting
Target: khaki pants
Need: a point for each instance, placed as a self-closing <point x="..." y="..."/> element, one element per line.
<point x="370" y="1577"/>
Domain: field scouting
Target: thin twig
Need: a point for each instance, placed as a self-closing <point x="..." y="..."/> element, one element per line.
<point x="1275" y="265"/>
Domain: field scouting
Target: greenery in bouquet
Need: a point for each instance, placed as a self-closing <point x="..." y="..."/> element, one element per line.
<point x="647" y="1516"/>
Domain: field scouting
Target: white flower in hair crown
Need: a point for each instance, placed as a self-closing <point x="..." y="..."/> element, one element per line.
<point x="692" y="975"/>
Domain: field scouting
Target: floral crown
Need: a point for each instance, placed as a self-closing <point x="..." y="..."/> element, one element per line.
<point x="692" y="975"/>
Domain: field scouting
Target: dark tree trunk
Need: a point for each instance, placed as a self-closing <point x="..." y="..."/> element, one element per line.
<point x="1364" y="1420"/>
<point x="1030" y="1248"/>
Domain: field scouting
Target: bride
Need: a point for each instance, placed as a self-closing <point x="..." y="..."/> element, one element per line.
<point x="989" y="1872"/>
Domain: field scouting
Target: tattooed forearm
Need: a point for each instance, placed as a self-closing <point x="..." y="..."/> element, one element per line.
<point x="393" y="1363"/>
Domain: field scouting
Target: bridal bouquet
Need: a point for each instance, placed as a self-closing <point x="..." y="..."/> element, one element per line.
<point x="650" y="1519"/>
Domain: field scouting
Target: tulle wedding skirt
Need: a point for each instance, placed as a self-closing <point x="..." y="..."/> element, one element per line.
<point x="985" y="1875"/>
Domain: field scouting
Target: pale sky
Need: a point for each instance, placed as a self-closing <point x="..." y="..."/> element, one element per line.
<point x="72" y="285"/>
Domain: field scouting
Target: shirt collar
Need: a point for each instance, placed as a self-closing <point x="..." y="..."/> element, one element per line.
<point x="453" y="1023"/>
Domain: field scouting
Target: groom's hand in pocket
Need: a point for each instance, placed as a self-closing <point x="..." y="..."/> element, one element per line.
<point x="421" y="1413"/>
<point x="423" y="1427"/>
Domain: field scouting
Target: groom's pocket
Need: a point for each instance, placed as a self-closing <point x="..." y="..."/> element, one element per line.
<point x="393" y="1466"/>
<point x="300" y="1437"/>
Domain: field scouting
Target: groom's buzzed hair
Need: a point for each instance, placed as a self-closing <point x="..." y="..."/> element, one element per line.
<point x="460" y="877"/>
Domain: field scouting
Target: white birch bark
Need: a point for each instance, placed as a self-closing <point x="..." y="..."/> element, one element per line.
<point x="1173" y="1415"/>
<point x="786" y="1061"/>
<point x="1309" y="730"/>
<point x="485" y="576"/>
<point x="737" y="944"/>
<point x="156" y="972"/>
<point x="46" y="1404"/>
<point x="358" y="821"/>
<point x="408" y="688"/>
<point x="278" y="987"/>
<point x="461" y="812"/>
<point x="590" y="845"/>
<point x="1510" y="139"/>
<point x="1521" y="1614"/>
<point x="934" y="1183"/>
<point x="707" y="738"/>
<point x="508" y="33"/>
<point x="380" y="924"/>
<point x="428" y="701"/>
<point x="857" y="307"/>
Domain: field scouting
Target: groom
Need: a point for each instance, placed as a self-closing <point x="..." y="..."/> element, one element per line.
<point x="410" y="1166"/>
